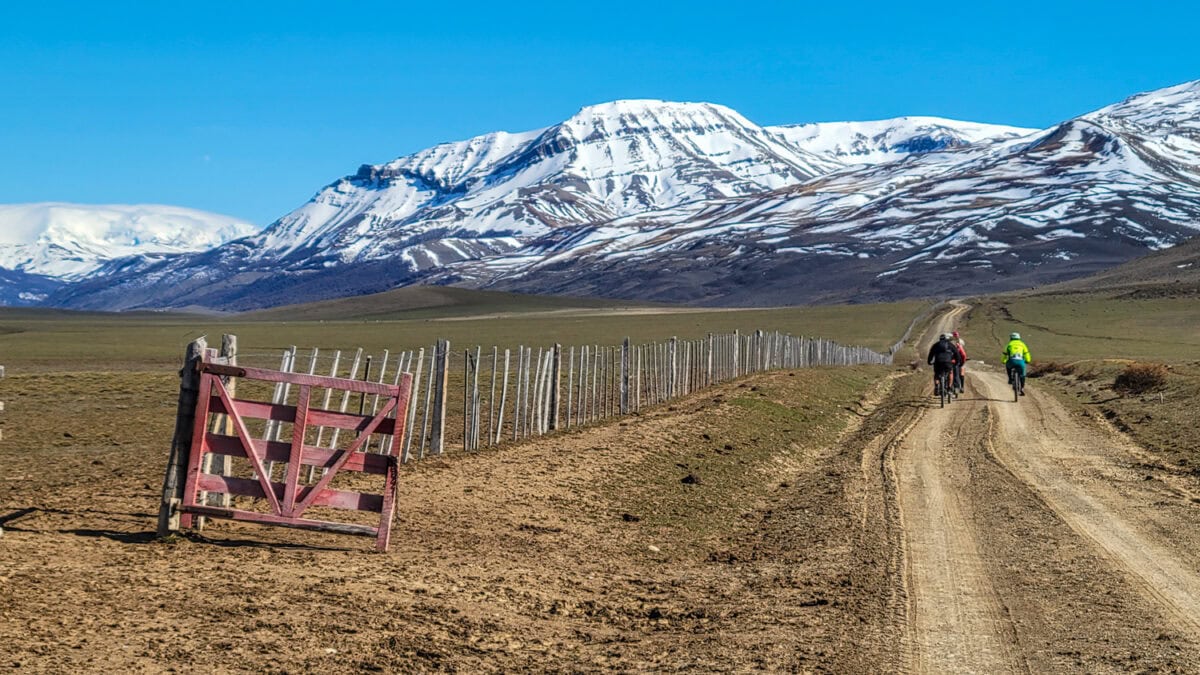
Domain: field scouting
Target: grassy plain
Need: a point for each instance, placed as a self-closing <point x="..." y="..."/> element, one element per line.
<point x="1089" y="326"/>
<point x="65" y="341"/>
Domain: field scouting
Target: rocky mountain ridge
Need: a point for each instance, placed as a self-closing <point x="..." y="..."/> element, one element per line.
<point x="694" y="203"/>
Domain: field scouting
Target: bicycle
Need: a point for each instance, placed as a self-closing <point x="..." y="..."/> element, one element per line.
<point x="943" y="387"/>
<point x="1014" y="378"/>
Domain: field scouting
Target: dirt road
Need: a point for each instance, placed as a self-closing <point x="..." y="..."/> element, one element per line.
<point x="1032" y="543"/>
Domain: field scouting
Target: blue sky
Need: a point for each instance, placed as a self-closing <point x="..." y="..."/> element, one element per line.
<point x="249" y="108"/>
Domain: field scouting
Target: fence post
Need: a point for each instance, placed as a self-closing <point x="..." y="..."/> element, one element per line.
<point x="625" y="377"/>
<point x="442" y="359"/>
<point x="737" y="349"/>
<point x="708" y="367"/>
<point x="414" y="400"/>
<point x="181" y="442"/>
<point x="673" y="365"/>
<point x="570" y="385"/>
<point x="477" y="412"/>
<point x="556" y="386"/>
<point x="492" y="396"/>
<point x="637" y="378"/>
<point x="466" y="399"/>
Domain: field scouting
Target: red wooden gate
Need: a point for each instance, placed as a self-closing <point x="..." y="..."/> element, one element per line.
<point x="290" y="499"/>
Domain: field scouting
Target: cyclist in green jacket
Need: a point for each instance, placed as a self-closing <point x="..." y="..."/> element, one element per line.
<point x="1016" y="358"/>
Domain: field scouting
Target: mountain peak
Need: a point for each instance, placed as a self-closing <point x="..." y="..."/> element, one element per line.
<point x="69" y="240"/>
<point x="1171" y="106"/>
<point x="876" y="141"/>
<point x="643" y="113"/>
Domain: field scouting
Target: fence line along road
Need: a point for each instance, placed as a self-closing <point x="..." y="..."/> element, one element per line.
<point x="478" y="397"/>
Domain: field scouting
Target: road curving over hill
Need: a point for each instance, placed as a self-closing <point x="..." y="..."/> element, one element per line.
<point x="1029" y="541"/>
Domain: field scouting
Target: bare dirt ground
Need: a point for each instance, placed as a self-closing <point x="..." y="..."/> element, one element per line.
<point x="832" y="520"/>
<point x="585" y="551"/>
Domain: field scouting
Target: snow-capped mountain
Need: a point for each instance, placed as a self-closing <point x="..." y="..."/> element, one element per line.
<point x="69" y="241"/>
<point x="492" y="193"/>
<point x="1085" y="195"/>
<point x="692" y="202"/>
<point x="889" y="140"/>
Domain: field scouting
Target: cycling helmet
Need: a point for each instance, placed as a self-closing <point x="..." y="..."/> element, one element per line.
<point x="944" y="336"/>
<point x="1014" y="336"/>
<point x="955" y="333"/>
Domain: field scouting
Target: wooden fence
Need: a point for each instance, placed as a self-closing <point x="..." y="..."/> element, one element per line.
<point x="478" y="397"/>
<point x="291" y="425"/>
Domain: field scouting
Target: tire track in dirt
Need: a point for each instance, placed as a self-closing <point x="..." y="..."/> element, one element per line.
<point x="955" y="621"/>
<point x="1084" y="475"/>
<point x="958" y="622"/>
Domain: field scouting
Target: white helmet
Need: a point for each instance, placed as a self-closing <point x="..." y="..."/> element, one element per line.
<point x="1014" y="336"/>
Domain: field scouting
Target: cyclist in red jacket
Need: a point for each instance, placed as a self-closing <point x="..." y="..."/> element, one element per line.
<point x="959" y="384"/>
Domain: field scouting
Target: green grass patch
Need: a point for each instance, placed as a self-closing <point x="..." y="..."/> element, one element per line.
<point x="1074" y="327"/>
<point x="745" y="443"/>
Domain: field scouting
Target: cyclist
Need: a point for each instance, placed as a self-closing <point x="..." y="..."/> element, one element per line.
<point x="1016" y="358"/>
<point x="961" y="346"/>
<point x="943" y="357"/>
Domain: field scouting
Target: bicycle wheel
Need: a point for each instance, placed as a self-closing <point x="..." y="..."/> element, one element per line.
<point x="944" y="388"/>
<point x="1016" y="384"/>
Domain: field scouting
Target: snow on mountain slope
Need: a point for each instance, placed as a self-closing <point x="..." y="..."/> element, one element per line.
<point x="461" y="200"/>
<point x="1087" y="194"/>
<point x="691" y="202"/>
<point x="888" y="140"/>
<point x="68" y="241"/>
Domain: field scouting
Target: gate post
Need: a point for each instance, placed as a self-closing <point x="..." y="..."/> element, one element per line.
<point x="181" y="442"/>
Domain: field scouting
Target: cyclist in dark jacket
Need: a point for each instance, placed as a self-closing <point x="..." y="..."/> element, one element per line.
<point x="943" y="356"/>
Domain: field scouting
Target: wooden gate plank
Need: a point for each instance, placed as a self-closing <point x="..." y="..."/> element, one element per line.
<point x="244" y="435"/>
<point x="345" y="456"/>
<point x="334" y="499"/>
